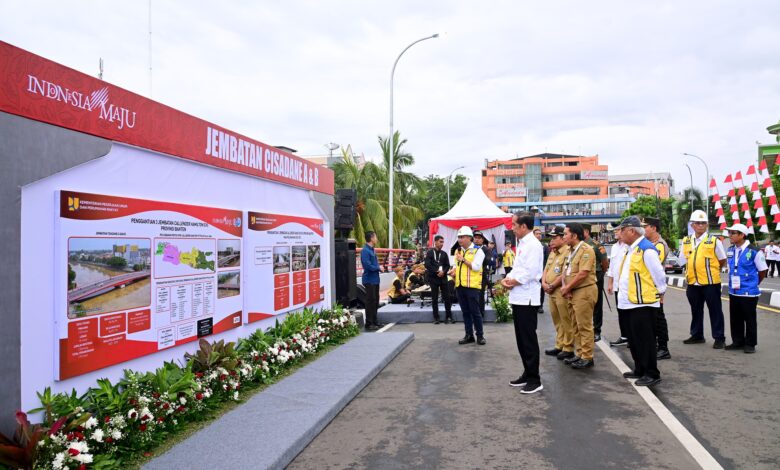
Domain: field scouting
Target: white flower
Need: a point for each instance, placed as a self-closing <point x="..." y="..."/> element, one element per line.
<point x="90" y="423"/>
<point x="235" y="395"/>
<point x="98" y="435"/>
<point x="132" y="414"/>
<point x="144" y="400"/>
<point x="83" y="458"/>
<point x="183" y="400"/>
<point x="116" y="435"/>
<point x="57" y="462"/>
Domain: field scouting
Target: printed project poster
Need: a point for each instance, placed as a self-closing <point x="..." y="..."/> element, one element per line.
<point x="284" y="271"/>
<point x="135" y="277"/>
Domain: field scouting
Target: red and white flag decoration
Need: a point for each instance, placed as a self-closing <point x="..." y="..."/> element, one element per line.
<point x="777" y="164"/>
<point x="769" y="191"/>
<point x="758" y="204"/>
<point x="733" y="208"/>
<point x="718" y="206"/>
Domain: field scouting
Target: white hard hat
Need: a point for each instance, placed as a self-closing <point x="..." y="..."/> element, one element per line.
<point x="698" y="216"/>
<point x="465" y="230"/>
<point x="739" y="228"/>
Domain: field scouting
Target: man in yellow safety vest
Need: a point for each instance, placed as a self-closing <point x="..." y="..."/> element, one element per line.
<point x="703" y="255"/>
<point x="468" y="284"/>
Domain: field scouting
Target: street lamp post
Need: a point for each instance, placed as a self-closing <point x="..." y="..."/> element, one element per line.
<point x="391" y="143"/>
<point x="706" y="183"/>
<point x="448" y="184"/>
<point x="690" y="193"/>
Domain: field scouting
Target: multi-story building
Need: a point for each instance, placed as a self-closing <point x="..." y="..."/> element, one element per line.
<point x="642" y="184"/>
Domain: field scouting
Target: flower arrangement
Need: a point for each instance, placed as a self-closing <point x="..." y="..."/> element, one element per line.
<point x="501" y="304"/>
<point x="112" y="424"/>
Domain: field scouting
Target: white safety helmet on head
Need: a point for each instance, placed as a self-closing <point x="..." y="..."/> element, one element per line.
<point x="465" y="230"/>
<point x="699" y="216"/>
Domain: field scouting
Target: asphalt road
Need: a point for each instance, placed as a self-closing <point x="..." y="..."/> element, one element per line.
<point x="442" y="405"/>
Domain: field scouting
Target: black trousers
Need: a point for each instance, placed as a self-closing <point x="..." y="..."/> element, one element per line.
<point x="623" y="321"/>
<point x="372" y="303"/>
<point x="541" y="304"/>
<point x="661" y="329"/>
<point x="642" y="341"/>
<point x="482" y="293"/>
<point x="697" y="297"/>
<point x="525" y="318"/>
<point x="598" y="309"/>
<point x="400" y="299"/>
<point x="436" y="288"/>
<point x="742" y="317"/>
<point x="772" y="265"/>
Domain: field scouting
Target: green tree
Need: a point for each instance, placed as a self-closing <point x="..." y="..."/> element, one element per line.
<point x="71" y="277"/>
<point x="372" y="182"/>
<point x="650" y="206"/>
<point x="117" y="262"/>
<point x="436" y="197"/>
<point x="690" y="201"/>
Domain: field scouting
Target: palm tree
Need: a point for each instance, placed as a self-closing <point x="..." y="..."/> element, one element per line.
<point x="371" y="182"/>
<point x="690" y="201"/>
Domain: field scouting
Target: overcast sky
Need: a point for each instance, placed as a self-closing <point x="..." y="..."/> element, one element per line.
<point x="637" y="83"/>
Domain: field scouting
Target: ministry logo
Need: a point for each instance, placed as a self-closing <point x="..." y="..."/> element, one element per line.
<point x="97" y="99"/>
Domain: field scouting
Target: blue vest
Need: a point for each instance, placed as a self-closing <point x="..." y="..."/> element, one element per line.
<point x="746" y="270"/>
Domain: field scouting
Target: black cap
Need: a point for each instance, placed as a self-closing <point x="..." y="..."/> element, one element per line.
<point x="478" y="233"/>
<point x="586" y="226"/>
<point x="652" y="221"/>
<point x="555" y="232"/>
<point x="631" y="221"/>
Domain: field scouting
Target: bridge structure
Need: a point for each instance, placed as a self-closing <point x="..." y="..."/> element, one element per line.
<point x="101" y="287"/>
<point x="225" y="260"/>
<point x="231" y="284"/>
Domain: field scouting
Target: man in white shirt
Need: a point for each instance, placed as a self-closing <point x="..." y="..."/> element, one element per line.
<point x="524" y="284"/>
<point x="642" y="284"/>
<point x="616" y="256"/>
<point x="771" y="255"/>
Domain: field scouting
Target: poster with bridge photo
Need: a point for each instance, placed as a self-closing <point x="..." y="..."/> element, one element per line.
<point x="283" y="258"/>
<point x="135" y="277"/>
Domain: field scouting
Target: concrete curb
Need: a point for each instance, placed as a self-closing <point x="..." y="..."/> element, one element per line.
<point x="768" y="297"/>
<point x="275" y="425"/>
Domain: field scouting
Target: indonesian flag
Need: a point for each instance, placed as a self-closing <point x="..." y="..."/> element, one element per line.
<point x="747" y="215"/>
<point x="738" y="179"/>
<point x="728" y="177"/>
<point x="731" y="192"/>
<point x="735" y="217"/>
<point x="774" y="209"/>
<point x="761" y="215"/>
<point x="777" y="164"/>
<point x="764" y="173"/>
<point x="741" y="192"/>
<point x="713" y="188"/>
<point x="719" y="211"/>
<point x="770" y="191"/>
<point x="751" y="170"/>
<point x="776" y="218"/>
<point x="721" y="219"/>
<point x="718" y="205"/>
<point x="759" y="204"/>
<point x="754" y="189"/>
<point x="764" y="229"/>
<point x="761" y="220"/>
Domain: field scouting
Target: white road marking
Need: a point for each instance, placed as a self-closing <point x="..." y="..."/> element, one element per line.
<point x="694" y="447"/>
<point x="385" y="328"/>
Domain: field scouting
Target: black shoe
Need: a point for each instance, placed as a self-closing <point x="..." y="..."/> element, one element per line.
<point x="379" y="325"/>
<point x="448" y="320"/>
<point x="718" y="344"/>
<point x="734" y="347"/>
<point x="647" y="381"/>
<point x="436" y="322"/>
<point x="622" y="341"/>
<point x="663" y="354"/>
<point x="582" y="364"/>
<point x="530" y="388"/>
<point x="540" y="312"/>
<point x="571" y="360"/>
<point x="371" y="327"/>
<point x="597" y="338"/>
<point x="694" y="340"/>
<point x="520" y="382"/>
<point x="481" y="340"/>
<point x="750" y="349"/>
<point x="466" y="340"/>
<point x="552" y="352"/>
<point x="631" y="375"/>
<point x="565" y="355"/>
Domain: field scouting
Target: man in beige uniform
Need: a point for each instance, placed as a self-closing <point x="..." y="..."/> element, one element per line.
<point x="579" y="287"/>
<point x="559" y="307"/>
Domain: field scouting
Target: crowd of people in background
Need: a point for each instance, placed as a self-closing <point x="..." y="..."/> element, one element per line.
<point x="575" y="272"/>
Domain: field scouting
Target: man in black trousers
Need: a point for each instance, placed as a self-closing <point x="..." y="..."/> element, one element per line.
<point x="437" y="264"/>
<point x="524" y="284"/>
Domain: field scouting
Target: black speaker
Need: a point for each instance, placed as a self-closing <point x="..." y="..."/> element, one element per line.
<point x="509" y="236"/>
<point x="346" y="273"/>
<point x="345" y="209"/>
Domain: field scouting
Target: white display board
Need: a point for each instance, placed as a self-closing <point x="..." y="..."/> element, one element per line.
<point x="286" y="261"/>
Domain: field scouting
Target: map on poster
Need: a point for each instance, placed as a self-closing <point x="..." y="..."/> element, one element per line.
<point x="285" y="253"/>
<point x="135" y="277"/>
